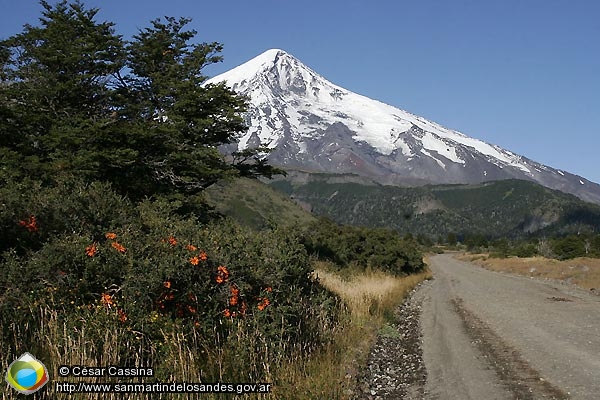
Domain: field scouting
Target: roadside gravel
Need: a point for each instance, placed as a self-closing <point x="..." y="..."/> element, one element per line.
<point x="395" y="368"/>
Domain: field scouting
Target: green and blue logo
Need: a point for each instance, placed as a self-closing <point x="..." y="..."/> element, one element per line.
<point x="27" y="374"/>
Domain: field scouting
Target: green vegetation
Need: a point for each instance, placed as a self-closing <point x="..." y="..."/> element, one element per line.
<point x="109" y="250"/>
<point x="77" y="98"/>
<point x="364" y="248"/>
<point x="449" y="213"/>
<point x="255" y="205"/>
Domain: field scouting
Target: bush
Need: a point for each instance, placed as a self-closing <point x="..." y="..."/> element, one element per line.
<point x="374" y="248"/>
<point x="525" y="250"/>
<point x="147" y="270"/>
<point x="569" y="247"/>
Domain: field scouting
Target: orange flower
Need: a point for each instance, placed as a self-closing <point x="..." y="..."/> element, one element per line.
<point x="30" y="224"/>
<point x="167" y="284"/>
<point x="118" y="247"/>
<point x="203" y="256"/>
<point x="263" y="304"/>
<point x="191" y="309"/>
<point x="122" y="315"/>
<point x="243" y="308"/>
<point x="227" y="313"/>
<point x="222" y="274"/>
<point x="169" y="296"/>
<point x="191" y="247"/>
<point x="111" y="235"/>
<point x="235" y="296"/>
<point x="195" y="260"/>
<point x="269" y="289"/>
<point x="91" y="250"/>
<point x="172" y="241"/>
<point x="107" y="300"/>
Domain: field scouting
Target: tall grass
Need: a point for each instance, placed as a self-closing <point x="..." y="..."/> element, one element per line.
<point x="328" y="371"/>
<point x="369" y="300"/>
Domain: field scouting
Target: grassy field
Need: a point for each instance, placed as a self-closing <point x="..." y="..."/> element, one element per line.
<point x="583" y="272"/>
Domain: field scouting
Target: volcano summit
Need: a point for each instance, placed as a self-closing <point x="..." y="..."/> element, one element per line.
<point x="313" y="124"/>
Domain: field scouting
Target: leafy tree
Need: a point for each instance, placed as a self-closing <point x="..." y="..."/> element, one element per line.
<point x="77" y="98"/>
<point x="569" y="247"/>
<point x="55" y="91"/>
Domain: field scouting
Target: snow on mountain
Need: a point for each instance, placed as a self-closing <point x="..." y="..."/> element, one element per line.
<point x="314" y="124"/>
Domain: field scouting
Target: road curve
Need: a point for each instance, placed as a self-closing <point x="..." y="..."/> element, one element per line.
<point x="488" y="335"/>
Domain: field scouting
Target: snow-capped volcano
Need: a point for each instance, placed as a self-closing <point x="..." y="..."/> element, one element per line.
<point x="314" y="124"/>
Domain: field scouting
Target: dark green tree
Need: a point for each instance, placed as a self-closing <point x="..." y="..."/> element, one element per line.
<point x="78" y="99"/>
<point x="55" y="90"/>
<point x="569" y="247"/>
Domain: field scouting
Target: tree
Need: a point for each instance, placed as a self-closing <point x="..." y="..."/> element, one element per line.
<point x="77" y="98"/>
<point x="55" y="91"/>
<point x="569" y="247"/>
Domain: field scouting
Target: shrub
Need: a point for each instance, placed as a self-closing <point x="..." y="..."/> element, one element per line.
<point x="374" y="248"/>
<point x="147" y="270"/>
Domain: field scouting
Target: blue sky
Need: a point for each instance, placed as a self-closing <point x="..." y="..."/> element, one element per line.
<point x="523" y="74"/>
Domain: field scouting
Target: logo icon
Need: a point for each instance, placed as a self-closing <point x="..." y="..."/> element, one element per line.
<point x="27" y="374"/>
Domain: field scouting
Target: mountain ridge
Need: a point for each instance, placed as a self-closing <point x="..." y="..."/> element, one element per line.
<point x="311" y="123"/>
<point x="506" y="208"/>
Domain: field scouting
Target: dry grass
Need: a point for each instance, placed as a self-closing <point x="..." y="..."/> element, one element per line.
<point x="370" y="295"/>
<point x="332" y="373"/>
<point x="329" y="372"/>
<point x="583" y="272"/>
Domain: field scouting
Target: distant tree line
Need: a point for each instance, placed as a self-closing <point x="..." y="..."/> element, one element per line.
<point x="559" y="247"/>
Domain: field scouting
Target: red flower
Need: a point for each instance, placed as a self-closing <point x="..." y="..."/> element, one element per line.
<point x="30" y="224"/>
<point x="91" y="250"/>
<point x="222" y="274"/>
<point x="119" y="247"/>
<point x="263" y="304"/>
<point x="107" y="300"/>
<point x="235" y="296"/>
<point x="122" y="315"/>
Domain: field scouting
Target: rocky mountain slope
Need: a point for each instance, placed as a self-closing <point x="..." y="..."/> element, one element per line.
<point x="316" y="125"/>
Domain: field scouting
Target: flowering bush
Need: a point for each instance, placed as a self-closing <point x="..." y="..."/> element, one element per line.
<point x="146" y="269"/>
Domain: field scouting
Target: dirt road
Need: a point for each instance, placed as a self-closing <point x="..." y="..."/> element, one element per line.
<point x="488" y="335"/>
